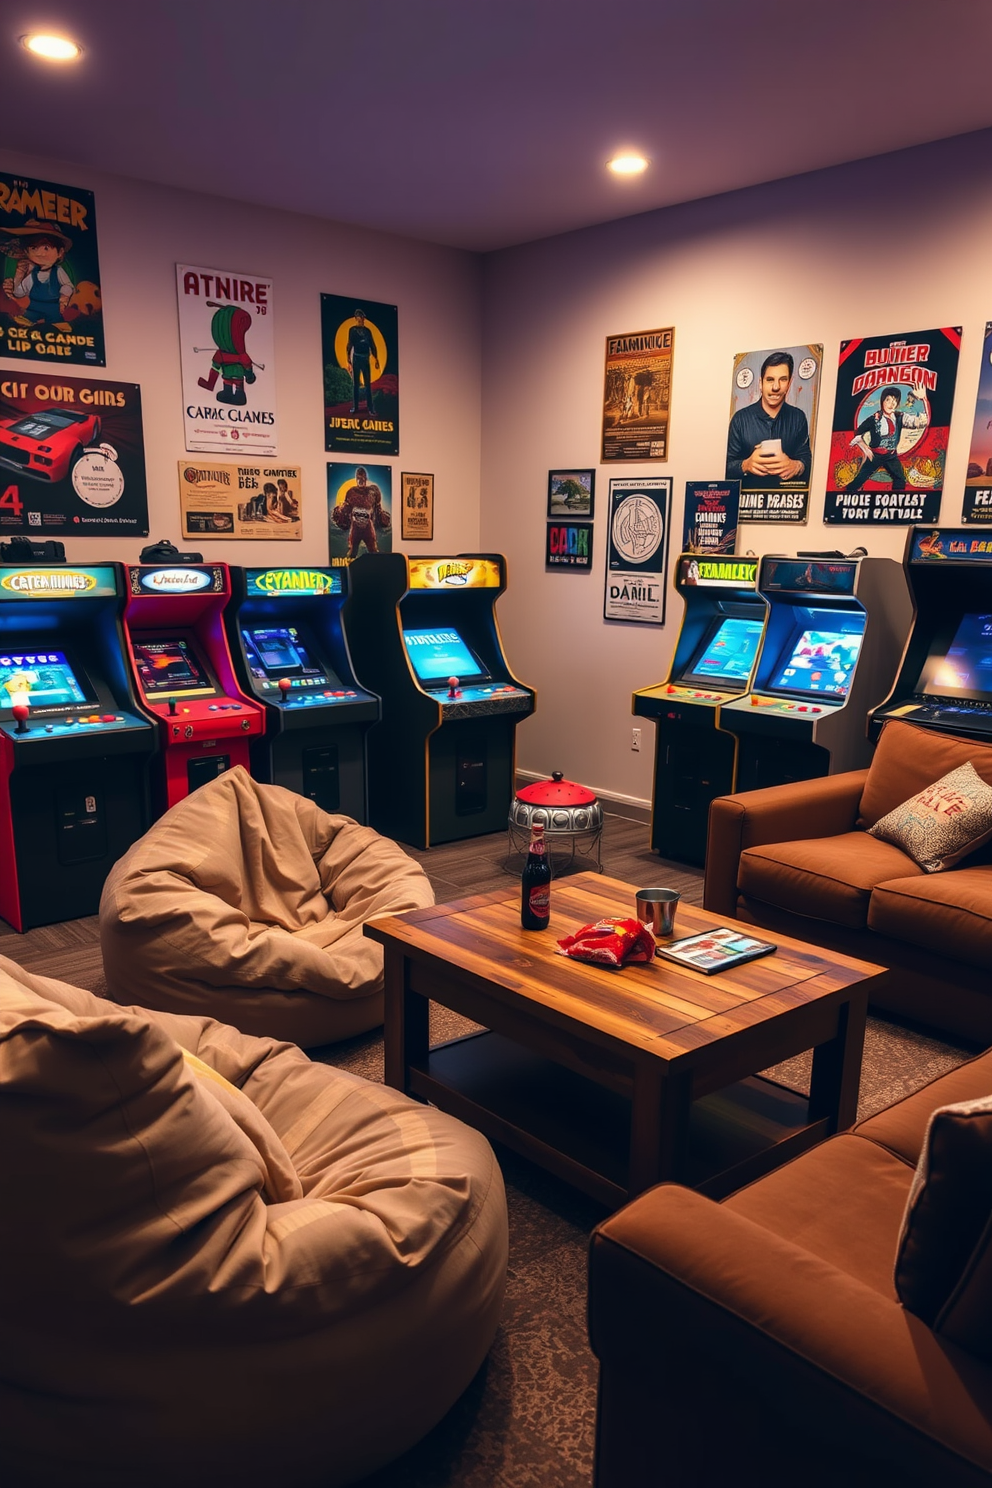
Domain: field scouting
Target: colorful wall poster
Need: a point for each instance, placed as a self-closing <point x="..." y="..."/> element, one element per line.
<point x="418" y="506"/>
<point x="359" y="510"/>
<point x="709" y="521"/>
<point x="226" y="347"/>
<point x="72" y="458"/>
<point x="255" y="500"/>
<point x="637" y="395"/>
<point x="571" y="493"/>
<point x="773" y="401"/>
<point x="892" y="416"/>
<point x="637" y="553"/>
<point x="50" y="299"/>
<point x="361" y="375"/>
<point x="977" y="505"/>
<point x="569" y="545"/>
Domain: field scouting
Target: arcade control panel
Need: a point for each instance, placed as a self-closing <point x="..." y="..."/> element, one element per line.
<point x="477" y="698"/>
<point x="973" y="716"/>
<point x="202" y="718"/>
<point x="788" y="705"/>
<point x="678" y="692"/>
<point x="85" y="721"/>
<point x="292" y="692"/>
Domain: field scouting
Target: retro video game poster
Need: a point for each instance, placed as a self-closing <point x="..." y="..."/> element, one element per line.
<point x="361" y="376"/>
<point x="227" y="352"/>
<point x="709" y="520"/>
<point x="418" y="506"/>
<point x="51" y="307"/>
<point x="637" y="549"/>
<point x="568" y="545"/>
<point x="892" y="416"/>
<point x="773" y="402"/>
<point x="977" y="506"/>
<point x="359" y="510"/>
<point x="254" y="500"/>
<point x="637" y="395"/>
<point x="72" y="457"/>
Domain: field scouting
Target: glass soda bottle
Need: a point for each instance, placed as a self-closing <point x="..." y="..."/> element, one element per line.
<point x="535" y="882"/>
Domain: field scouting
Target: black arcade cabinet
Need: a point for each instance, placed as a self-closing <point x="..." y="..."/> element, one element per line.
<point x="290" y="652"/>
<point x="424" y="635"/>
<point x="945" y="680"/>
<point x="836" y="629"/>
<point x="715" y="656"/>
<point x="74" y="749"/>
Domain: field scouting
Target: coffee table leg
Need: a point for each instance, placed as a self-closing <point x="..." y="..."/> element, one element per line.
<point x="659" y="1122"/>
<point x="837" y="1068"/>
<point x="406" y="1035"/>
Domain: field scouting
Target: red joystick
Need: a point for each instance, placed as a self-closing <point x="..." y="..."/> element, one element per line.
<point x="21" y="711"/>
<point x="284" y="685"/>
<point x="453" y="689"/>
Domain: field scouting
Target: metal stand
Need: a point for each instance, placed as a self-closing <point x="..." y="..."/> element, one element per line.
<point x="518" y="840"/>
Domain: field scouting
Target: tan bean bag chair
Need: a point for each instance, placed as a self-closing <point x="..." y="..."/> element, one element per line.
<point x="247" y="902"/>
<point x="239" y="1267"/>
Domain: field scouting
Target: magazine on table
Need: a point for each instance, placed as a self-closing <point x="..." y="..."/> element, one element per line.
<point x="715" y="950"/>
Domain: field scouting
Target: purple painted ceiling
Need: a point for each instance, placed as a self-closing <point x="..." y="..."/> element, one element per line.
<point x="487" y="122"/>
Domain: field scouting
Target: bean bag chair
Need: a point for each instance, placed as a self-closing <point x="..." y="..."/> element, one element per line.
<point x="247" y="902"/>
<point x="223" y="1263"/>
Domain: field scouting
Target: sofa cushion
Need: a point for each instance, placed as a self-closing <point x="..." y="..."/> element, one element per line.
<point x="942" y="823"/>
<point x="949" y="913"/>
<point x="827" y="878"/>
<point x="907" y="759"/>
<point x="948" y="1209"/>
<point x="902" y="1127"/>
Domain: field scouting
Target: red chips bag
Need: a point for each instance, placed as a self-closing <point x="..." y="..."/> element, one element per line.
<point x="610" y="942"/>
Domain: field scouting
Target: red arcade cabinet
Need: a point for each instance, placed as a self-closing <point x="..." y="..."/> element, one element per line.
<point x="174" y="629"/>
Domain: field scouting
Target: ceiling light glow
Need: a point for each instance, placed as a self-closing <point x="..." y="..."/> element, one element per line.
<point x="52" y="48"/>
<point x="627" y="165"/>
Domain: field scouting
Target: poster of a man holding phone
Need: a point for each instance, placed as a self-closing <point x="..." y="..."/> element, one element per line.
<point x="772" y="418"/>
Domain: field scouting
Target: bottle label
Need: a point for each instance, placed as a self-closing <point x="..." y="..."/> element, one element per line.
<point x="539" y="900"/>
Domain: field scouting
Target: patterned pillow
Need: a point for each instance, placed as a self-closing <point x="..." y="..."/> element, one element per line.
<point x="944" y="822"/>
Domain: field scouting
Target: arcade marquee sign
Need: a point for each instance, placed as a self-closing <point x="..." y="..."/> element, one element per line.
<point x="57" y="583"/>
<point x="293" y="581"/>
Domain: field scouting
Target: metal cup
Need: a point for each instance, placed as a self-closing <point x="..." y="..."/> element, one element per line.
<point x="656" y="909"/>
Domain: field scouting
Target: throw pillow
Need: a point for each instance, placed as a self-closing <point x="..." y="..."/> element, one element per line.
<point x="944" y="822"/>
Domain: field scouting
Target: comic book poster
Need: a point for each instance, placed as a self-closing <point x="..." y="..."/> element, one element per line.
<point x="637" y="395"/>
<point x="226" y="347"/>
<point x="709" y="520"/>
<point x="359" y="510"/>
<point x="72" y="458"/>
<point x="773" y="401"/>
<point x="418" y="506"/>
<point x="977" y="506"/>
<point x="361" y="376"/>
<point x="569" y="545"/>
<point x="892" y="416"/>
<point x="254" y="500"/>
<point x="637" y="549"/>
<point x="50" y="300"/>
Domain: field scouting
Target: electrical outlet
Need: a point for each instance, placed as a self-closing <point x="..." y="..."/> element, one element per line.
<point x="635" y="738"/>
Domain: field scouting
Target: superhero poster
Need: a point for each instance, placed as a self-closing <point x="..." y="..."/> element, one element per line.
<point x="773" y="403"/>
<point x="977" y="507"/>
<point x="228" y="361"/>
<point x="892" y="416"/>
<point x="637" y="395"/>
<point x="72" y="458"/>
<point x="50" y="303"/>
<point x="361" y="376"/>
<point x="359" y="510"/>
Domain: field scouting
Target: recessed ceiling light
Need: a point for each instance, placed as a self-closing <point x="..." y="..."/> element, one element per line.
<point x="627" y="165"/>
<point x="52" y="48"/>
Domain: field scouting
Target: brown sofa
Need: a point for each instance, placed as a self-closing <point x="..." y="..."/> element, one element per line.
<point x="759" y="1341"/>
<point x="797" y="859"/>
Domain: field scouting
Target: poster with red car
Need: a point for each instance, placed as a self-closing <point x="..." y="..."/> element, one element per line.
<point x="227" y="351"/>
<point x="72" y="458"/>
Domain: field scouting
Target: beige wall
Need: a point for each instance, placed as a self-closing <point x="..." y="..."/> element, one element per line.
<point x="145" y="230"/>
<point x="892" y="244"/>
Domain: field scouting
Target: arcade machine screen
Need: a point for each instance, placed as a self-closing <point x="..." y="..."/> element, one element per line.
<point x="727" y="654"/>
<point x="171" y="668"/>
<point x="46" y="676"/>
<point x="282" y="651"/>
<point x="963" y="668"/>
<point x="436" y="655"/>
<point x="821" y="656"/>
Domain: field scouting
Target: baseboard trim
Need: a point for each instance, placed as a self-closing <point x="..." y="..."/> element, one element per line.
<point x="635" y="808"/>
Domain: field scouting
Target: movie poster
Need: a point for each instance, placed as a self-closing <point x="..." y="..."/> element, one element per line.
<point x="568" y="545"/>
<point x="251" y="501"/>
<point x="637" y="549"/>
<point x="226" y="347"/>
<point x="50" y="302"/>
<point x="892" y="416"/>
<point x="361" y="376"/>
<point x="773" y="403"/>
<point x="709" y="521"/>
<point x="637" y="395"/>
<point x="977" y="505"/>
<point x="418" y="506"/>
<point x="359" y="510"/>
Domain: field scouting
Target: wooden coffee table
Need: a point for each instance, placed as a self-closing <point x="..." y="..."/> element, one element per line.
<point x="615" y="1080"/>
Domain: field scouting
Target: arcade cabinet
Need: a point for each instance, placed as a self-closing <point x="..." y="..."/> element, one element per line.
<point x="424" y="636"/>
<point x="74" y="749"/>
<point x="945" y="681"/>
<point x="290" y="652"/>
<point x="715" y="654"/>
<point x="174" y="632"/>
<point x="836" y="628"/>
